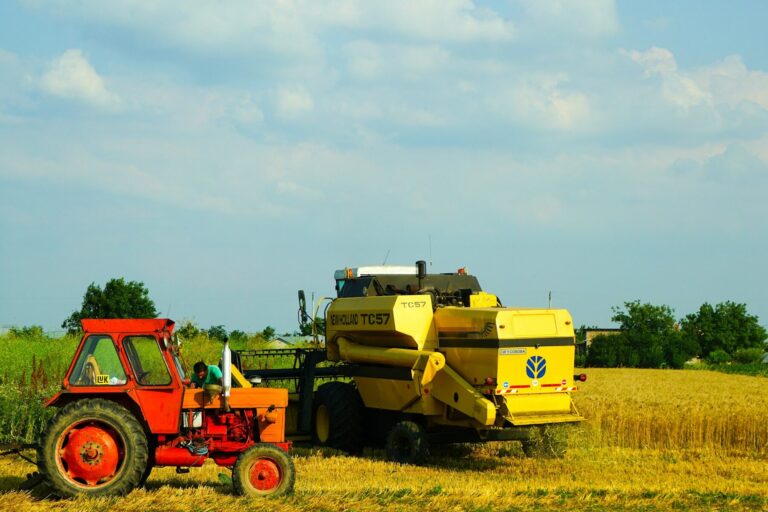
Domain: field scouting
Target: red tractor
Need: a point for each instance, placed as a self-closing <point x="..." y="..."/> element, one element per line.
<point x="126" y="407"/>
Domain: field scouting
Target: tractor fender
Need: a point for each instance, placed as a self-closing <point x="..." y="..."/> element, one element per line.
<point x="122" y="398"/>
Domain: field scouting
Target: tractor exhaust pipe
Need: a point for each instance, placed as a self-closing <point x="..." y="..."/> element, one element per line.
<point x="226" y="375"/>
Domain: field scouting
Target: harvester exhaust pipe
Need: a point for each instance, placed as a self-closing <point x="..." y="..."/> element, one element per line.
<point x="421" y="270"/>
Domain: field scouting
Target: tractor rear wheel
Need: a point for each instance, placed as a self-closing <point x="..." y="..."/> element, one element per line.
<point x="337" y="417"/>
<point x="407" y="443"/>
<point x="263" y="470"/>
<point x="94" y="447"/>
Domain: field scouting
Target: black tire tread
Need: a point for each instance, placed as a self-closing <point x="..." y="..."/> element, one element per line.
<point x="137" y="457"/>
<point x="345" y="408"/>
<point x="414" y="435"/>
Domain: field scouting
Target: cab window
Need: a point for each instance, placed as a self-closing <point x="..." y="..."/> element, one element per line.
<point x="98" y="364"/>
<point x="146" y="361"/>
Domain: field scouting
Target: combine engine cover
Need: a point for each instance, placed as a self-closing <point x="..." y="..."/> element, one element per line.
<point x="522" y="355"/>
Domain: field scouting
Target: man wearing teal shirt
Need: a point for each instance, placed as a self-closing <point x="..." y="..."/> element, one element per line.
<point x="205" y="374"/>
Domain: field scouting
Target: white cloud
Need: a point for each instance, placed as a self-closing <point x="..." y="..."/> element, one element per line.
<point x="371" y="61"/>
<point x="543" y="102"/>
<point x="731" y="82"/>
<point x="585" y="18"/>
<point x="72" y="77"/>
<point x="677" y="88"/>
<point x="288" y="27"/>
<point x="293" y="102"/>
<point x="654" y="60"/>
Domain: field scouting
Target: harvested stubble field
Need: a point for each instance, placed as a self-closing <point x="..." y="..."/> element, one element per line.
<point x="655" y="440"/>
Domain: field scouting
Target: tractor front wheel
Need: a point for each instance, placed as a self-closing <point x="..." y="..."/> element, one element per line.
<point x="407" y="443"/>
<point x="93" y="447"/>
<point x="263" y="470"/>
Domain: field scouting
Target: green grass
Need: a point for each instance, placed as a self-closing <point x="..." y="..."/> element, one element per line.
<point x="753" y="369"/>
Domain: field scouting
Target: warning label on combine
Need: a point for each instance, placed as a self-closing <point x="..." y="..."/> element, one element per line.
<point x="512" y="351"/>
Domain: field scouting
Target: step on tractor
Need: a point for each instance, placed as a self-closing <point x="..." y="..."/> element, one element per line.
<point x="411" y="359"/>
<point x="126" y="407"/>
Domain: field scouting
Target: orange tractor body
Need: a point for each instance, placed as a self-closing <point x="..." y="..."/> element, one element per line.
<point x="126" y="406"/>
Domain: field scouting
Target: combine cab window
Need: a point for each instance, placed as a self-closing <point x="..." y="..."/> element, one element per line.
<point x="147" y="361"/>
<point x="98" y="364"/>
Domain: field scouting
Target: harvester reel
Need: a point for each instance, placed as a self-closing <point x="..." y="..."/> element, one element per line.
<point x="94" y="447"/>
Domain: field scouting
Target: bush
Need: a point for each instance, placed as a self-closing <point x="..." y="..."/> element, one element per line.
<point x="748" y="355"/>
<point x="718" y="357"/>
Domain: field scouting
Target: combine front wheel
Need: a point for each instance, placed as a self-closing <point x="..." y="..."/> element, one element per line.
<point x="407" y="443"/>
<point x="94" y="447"/>
<point x="263" y="470"/>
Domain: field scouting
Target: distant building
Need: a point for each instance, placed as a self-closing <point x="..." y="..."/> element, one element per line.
<point x="583" y="346"/>
<point x="285" y="341"/>
<point x="592" y="333"/>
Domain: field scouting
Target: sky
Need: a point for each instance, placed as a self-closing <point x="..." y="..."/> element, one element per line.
<point x="227" y="154"/>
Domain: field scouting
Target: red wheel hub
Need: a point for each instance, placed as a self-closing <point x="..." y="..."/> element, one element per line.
<point x="89" y="454"/>
<point x="266" y="475"/>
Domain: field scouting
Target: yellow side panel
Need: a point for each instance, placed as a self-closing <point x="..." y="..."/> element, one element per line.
<point x="553" y="368"/>
<point x="399" y="321"/>
<point x="483" y="300"/>
<point x="393" y="395"/>
<point x="550" y="403"/>
<point x="536" y="323"/>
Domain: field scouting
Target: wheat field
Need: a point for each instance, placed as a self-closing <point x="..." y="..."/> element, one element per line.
<point x="654" y="440"/>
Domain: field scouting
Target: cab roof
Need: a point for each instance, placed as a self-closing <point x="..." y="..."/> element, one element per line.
<point x="127" y="325"/>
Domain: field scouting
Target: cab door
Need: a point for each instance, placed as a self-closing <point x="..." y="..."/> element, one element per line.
<point x="158" y="389"/>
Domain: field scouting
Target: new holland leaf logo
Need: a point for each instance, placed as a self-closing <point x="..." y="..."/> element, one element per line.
<point x="536" y="367"/>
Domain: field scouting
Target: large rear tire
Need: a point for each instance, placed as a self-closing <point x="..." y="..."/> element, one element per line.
<point x="263" y="470"/>
<point x="337" y="417"/>
<point x="407" y="444"/>
<point x="93" y="447"/>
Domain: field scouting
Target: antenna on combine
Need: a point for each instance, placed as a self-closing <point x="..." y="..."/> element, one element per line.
<point x="430" y="250"/>
<point x="550" y="300"/>
<point x="386" y="257"/>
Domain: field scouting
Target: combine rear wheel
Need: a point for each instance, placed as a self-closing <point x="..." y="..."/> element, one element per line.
<point x="337" y="418"/>
<point x="263" y="470"/>
<point x="407" y="443"/>
<point x="93" y="447"/>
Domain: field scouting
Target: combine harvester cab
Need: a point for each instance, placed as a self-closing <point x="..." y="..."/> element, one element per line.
<point x="417" y="359"/>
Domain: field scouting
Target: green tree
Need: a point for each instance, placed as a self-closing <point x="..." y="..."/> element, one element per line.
<point x="726" y="326"/>
<point x="118" y="299"/>
<point x="218" y="332"/>
<point x="649" y="338"/>
<point x="268" y="333"/>
<point x="188" y="330"/>
<point x="238" y="335"/>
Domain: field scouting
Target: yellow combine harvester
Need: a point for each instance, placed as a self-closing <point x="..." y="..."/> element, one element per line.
<point x="432" y="358"/>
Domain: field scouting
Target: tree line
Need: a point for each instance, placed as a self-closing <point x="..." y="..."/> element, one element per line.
<point x="651" y="337"/>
